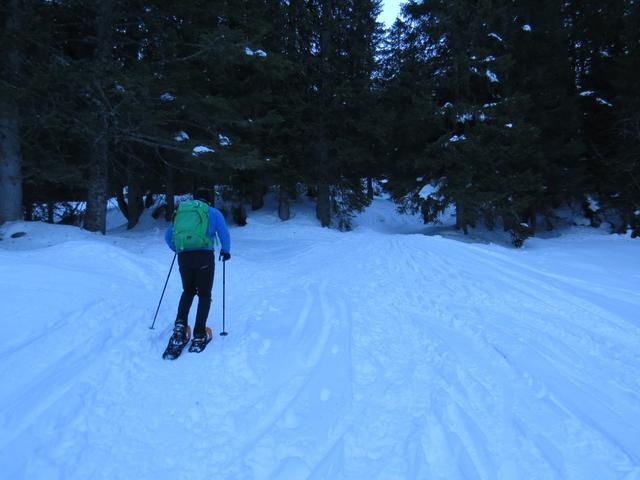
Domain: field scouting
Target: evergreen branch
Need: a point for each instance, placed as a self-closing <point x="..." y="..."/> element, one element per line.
<point x="150" y="141"/>
<point x="197" y="54"/>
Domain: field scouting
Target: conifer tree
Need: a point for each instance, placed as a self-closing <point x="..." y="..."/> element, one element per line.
<point x="605" y="39"/>
<point x="501" y="151"/>
<point x="342" y="86"/>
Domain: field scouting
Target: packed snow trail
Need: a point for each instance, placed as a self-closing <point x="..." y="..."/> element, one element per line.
<point x="382" y="353"/>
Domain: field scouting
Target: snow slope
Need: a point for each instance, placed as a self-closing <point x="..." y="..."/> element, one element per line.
<point x="381" y="353"/>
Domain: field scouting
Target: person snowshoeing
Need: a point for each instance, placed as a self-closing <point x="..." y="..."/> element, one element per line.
<point x="192" y="236"/>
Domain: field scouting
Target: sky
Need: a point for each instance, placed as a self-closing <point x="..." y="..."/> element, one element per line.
<point x="390" y="10"/>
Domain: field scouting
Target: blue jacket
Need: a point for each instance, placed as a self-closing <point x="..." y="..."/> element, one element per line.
<point x="216" y="225"/>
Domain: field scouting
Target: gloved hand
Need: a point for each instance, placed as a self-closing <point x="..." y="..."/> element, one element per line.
<point x="224" y="256"/>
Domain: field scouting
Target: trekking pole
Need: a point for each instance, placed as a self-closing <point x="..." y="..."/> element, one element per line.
<point x="223" y="333"/>
<point x="165" y="287"/>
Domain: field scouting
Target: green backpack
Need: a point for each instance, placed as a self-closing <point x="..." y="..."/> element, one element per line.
<point x="190" y="225"/>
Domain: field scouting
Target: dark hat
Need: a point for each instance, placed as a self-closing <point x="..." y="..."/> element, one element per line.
<point x="204" y="194"/>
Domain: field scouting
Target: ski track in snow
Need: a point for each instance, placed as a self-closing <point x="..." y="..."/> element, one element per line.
<point x="361" y="355"/>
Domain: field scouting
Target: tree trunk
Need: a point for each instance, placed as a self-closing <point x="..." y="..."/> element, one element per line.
<point x="122" y="202"/>
<point x="323" y="200"/>
<point x="369" y="188"/>
<point x="135" y="199"/>
<point x="148" y="199"/>
<point x="10" y="165"/>
<point x="50" y="212"/>
<point x="323" y="206"/>
<point x="284" y="212"/>
<point x="239" y="213"/>
<point x="461" y="222"/>
<point x="96" y="214"/>
<point x="28" y="211"/>
<point x="10" y="152"/>
<point x="257" y="195"/>
<point x="95" y="217"/>
<point x="170" y="192"/>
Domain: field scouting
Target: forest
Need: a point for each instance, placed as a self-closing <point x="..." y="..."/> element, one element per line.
<point x="505" y="110"/>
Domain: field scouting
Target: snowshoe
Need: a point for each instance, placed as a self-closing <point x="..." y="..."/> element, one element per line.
<point x="179" y="338"/>
<point x="200" y="342"/>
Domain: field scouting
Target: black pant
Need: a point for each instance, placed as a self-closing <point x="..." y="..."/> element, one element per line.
<point x="196" y="270"/>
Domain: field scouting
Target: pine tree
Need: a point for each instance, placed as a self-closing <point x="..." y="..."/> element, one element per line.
<point x="501" y="151"/>
<point x="296" y="102"/>
<point x="358" y="136"/>
<point x="341" y="89"/>
<point x="543" y="71"/>
<point x="607" y="59"/>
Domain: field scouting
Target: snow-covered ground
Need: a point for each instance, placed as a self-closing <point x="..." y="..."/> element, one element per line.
<point x="381" y="353"/>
